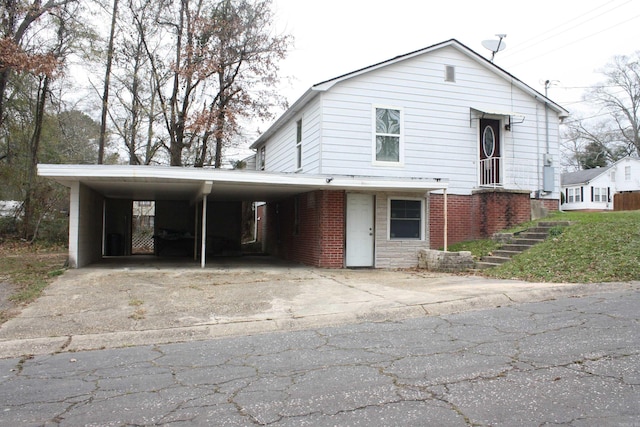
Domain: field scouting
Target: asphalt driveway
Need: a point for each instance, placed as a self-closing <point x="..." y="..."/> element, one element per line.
<point x="115" y="305"/>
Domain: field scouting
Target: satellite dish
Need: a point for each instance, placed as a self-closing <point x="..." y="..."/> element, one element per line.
<point x="495" y="46"/>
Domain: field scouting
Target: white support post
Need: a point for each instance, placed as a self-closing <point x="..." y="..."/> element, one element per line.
<point x="445" y="220"/>
<point x="203" y="248"/>
<point x="195" y="232"/>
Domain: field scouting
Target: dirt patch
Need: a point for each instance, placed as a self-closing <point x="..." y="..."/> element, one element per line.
<point x="26" y="270"/>
<point x="8" y="308"/>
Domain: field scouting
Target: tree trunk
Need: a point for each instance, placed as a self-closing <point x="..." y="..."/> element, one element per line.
<point x="107" y="79"/>
<point x="32" y="165"/>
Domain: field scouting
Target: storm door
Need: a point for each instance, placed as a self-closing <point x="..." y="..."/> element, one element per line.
<point x="490" y="153"/>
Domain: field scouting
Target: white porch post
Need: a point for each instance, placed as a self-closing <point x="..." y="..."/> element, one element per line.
<point x="74" y="224"/>
<point x="195" y="231"/>
<point x="445" y="219"/>
<point x="203" y="248"/>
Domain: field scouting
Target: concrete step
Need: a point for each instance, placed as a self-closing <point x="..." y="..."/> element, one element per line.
<point x="482" y="265"/>
<point x="524" y="241"/>
<point x="528" y="242"/>
<point x="551" y="224"/>
<point x="505" y="254"/>
<point x="515" y="247"/>
<point x="536" y="235"/>
<point x="493" y="259"/>
<point x="544" y="230"/>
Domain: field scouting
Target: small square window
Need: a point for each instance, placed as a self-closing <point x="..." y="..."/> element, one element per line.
<point x="405" y="220"/>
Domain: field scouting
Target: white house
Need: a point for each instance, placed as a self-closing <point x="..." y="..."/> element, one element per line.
<point x="444" y="113"/>
<point x="431" y="147"/>
<point x="594" y="189"/>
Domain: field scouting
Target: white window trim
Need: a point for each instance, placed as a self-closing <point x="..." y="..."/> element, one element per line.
<point x="374" y="161"/>
<point x="422" y="219"/>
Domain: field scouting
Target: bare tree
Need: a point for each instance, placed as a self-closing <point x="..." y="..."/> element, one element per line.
<point x="615" y="131"/>
<point x="223" y="68"/>
<point x="236" y="44"/>
<point x="58" y="52"/>
<point x="107" y="82"/>
<point x="136" y="112"/>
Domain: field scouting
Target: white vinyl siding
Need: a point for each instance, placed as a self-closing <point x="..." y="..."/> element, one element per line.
<point x="280" y="147"/>
<point x="440" y="135"/>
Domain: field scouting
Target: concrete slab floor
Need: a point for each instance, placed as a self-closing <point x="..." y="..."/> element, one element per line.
<point x="148" y="300"/>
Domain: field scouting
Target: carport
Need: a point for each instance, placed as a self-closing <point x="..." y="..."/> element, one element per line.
<point x="91" y="186"/>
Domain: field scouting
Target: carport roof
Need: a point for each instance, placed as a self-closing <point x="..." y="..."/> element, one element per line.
<point x="181" y="183"/>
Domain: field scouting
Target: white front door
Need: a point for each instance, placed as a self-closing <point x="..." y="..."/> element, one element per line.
<point x="360" y="232"/>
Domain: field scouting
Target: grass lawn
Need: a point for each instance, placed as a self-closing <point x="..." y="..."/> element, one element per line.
<point x="25" y="270"/>
<point x="598" y="247"/>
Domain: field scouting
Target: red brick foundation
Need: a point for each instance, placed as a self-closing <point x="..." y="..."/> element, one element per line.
<point x="316" y="237"/>
<point x="479" y="215"/>
<point x="310" y="228"/>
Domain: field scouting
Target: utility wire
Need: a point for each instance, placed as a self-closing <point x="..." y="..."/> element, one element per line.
<point x="534" y="41"/>
<point x="574" y="42"/>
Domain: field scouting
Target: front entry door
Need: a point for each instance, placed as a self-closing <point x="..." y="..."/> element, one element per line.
<point x="360" y="230"/>
<point x="490" y="153"/>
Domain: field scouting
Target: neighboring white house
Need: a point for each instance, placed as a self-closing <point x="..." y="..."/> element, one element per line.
<point x="594" y="189"/>
<point x="9" y="207"/>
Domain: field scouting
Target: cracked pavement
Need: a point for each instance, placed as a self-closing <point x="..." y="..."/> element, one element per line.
<point x="143" y="303"/>
<point x="570" y="361"/>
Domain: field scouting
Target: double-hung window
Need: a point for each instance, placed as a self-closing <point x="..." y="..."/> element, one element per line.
<point x="574" y="195"/>
<point x="405" y="219"/>
<point x="262" y="154"/>
<point x="299" y="144"/>
<point x="600" y="195"/>
<point x="388" y="135"/>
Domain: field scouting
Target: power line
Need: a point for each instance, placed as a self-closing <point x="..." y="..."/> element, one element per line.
<point x="534" y="41"/>
<point x="575" y="41"/>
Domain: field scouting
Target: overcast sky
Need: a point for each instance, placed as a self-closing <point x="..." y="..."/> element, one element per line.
<point x="565" y="41"/>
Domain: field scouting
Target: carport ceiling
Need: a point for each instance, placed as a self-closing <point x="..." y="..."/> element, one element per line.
<point x="175" y="183"/>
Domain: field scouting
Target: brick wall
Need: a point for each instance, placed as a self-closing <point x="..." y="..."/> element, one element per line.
<point x="478" y="215"/>
<point x="332" y="223"/>
<point x="317" y="237"/>
<point x="550" y="204"/>
<point x="498" y="210"/>
<point x="461" y="219"/>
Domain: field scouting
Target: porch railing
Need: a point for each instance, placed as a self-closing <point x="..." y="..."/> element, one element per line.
<point x="491" y="172"/>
